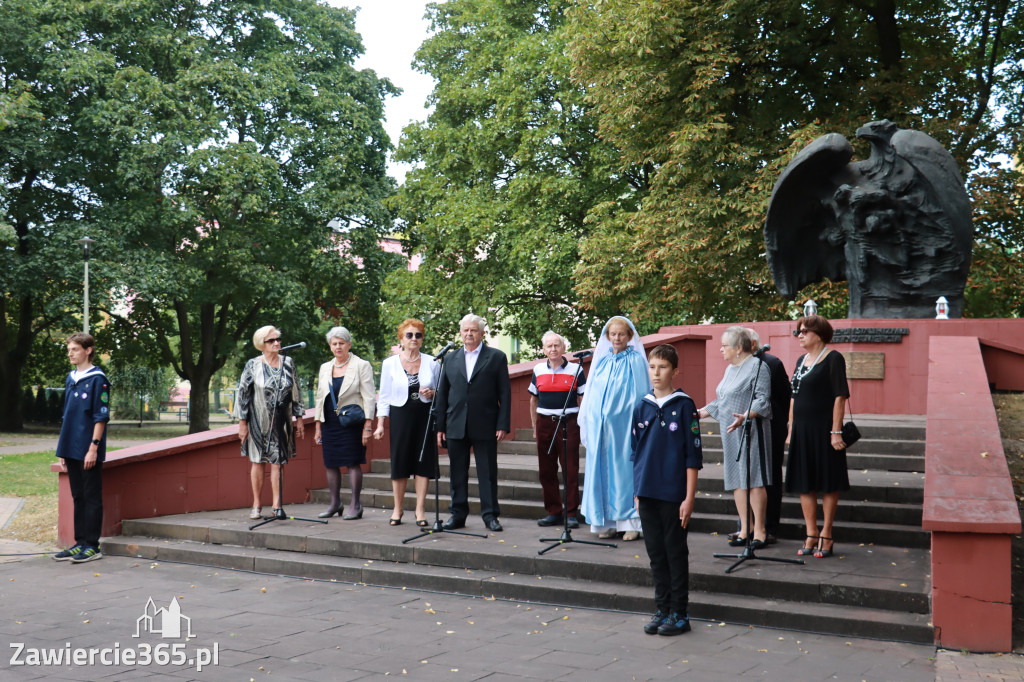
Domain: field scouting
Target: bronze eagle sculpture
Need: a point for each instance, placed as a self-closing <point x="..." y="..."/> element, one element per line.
<point x="897" y="226"/>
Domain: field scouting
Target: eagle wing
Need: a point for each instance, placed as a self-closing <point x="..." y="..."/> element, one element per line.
<point x="801" y="232"/>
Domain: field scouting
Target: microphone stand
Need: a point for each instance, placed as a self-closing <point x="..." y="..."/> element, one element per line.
<point x="280" y="468"/>
<point x="563" y="426"/>
<point x="438" y="527"/>
<point x="748" y="552"/>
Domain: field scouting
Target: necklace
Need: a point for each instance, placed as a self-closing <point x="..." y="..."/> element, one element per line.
<point x="410" y="360"/>
<point x="340" y="365"/>
<point x="804" y="369"/>
<point x="275" y="364"/>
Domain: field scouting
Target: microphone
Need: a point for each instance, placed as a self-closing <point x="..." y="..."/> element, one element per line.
<point x="444" y="351"/>
<point x="583" y="354"/>
<point x="300" y="344"/>
<point x="762" y="350"/>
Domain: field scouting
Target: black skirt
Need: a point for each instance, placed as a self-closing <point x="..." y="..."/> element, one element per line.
<point x="408" y="425"/>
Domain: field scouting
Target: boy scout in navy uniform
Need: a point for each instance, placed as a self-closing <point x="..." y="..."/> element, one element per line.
<point x="666" y="458"/>
<point x="83" y="446"/>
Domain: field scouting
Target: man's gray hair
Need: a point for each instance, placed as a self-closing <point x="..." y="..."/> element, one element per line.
<point x="754" y="337"/>
<point x="480" y="322"/>
<point x="340" y="333"/>
<point x="561" y="339"/>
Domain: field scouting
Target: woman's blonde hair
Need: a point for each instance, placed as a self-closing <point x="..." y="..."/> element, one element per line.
<point x="261" y="335"/>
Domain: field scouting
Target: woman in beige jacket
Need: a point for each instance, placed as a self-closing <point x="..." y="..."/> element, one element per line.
<point x="345" y="400"/>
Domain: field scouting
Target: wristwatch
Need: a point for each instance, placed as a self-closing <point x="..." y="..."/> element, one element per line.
<point x="95" y="441"/>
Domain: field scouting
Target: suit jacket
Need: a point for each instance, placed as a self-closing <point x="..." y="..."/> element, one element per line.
<point x="357" y="388"/>
<point x="478" y="407"/>
<point x="782" y="391"/>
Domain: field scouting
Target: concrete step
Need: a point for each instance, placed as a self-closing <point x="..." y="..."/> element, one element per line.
<point x="863" y="591"/>
<point x="714" y="515"/>
<point x="885" y="427"/>
<point x="713" y="499"/>
<point x="865" y="482"/>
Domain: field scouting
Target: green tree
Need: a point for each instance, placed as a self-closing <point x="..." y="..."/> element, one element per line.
<point x="506" y="168"/>
<point x="712" y="98"/>
<point x="217" y="141"/>
<point x="43" y="200"/>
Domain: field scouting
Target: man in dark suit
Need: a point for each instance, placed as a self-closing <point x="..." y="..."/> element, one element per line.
<point x="782" y="391"/>
<point x="474" y="411"/>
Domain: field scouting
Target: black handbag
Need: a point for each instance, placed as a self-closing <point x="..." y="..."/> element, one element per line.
<point x="350" y="415"/>
<point x="851" y="434"/>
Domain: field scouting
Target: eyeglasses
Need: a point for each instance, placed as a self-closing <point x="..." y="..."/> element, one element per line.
<point x="414" y="335"/>
<point x="276" y="339"/>
<point x="798" y="332"/>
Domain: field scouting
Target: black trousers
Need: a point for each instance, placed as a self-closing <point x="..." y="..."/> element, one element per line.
<point x="87" y="494"/>
<point x="774" y="514"/>
<point x="670" y="558"/>
<point x="486" y="453"/>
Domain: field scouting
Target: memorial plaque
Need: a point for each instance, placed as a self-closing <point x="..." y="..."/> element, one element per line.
<point x="870" y="335"/>
<point x="861" y="365"/>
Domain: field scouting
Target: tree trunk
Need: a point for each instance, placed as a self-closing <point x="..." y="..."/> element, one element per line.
<point x="11" y="418"/>
<point x="199" y="401"/>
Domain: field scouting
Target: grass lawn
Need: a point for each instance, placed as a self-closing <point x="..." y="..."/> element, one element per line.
<point x="28" y="476"/>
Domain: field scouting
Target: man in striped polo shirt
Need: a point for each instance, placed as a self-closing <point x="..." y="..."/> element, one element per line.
<point x="550" y="385"/>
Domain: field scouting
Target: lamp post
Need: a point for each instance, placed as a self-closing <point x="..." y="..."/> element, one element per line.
<point x="86" y="242"/>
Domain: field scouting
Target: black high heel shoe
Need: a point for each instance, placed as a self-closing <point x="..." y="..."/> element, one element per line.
<point x="353" y="517"/>
<point x="329" y="513"/>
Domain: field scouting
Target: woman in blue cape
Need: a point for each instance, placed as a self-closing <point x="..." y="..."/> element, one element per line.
<point x="618" y="380"/>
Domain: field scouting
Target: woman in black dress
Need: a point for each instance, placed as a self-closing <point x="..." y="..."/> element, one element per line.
<point x="344" y="393"/>
<point x="817" y="453"/>
<point x="407" y="382"/>
<point x="268" y="399"/>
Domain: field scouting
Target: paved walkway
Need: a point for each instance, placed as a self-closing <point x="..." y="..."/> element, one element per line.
<point x="277" y="628"/>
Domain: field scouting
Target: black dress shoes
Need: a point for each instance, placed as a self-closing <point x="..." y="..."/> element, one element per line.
<point x="551" y="520"/>
<point x="494" y="525"/>
<point x="454" y="523"/>
<point x="574" y="522"/>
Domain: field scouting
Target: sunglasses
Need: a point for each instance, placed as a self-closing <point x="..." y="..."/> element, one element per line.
<point x="798" y="332"/>
<point x="414" y="335"/>
<point x="276" y="339"/>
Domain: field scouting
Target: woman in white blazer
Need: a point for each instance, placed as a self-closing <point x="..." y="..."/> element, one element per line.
<point x="407" y="383"/>
<point x="344" y="383"/>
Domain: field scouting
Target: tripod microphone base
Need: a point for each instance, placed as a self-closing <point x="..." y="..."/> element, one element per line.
<point x="567" y="538"/>
<point x="748" y="554"/>
<point x="286" y="517"/>
<point x="438" y="528"/>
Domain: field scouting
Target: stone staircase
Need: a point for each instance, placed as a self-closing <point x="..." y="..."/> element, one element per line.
<point x="877" y="584"/>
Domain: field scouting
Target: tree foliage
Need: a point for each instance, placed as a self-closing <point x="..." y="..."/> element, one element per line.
<point x="217" y="141"/>
<point x="507" y="167"/>
<point x="712" y="98"/>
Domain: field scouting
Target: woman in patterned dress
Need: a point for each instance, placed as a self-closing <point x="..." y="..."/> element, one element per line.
<point x="407" y="382"/>
<point x="732" y="396"/>
<point x="268" y="399"/>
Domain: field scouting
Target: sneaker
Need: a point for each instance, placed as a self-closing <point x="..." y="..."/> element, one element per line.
<point x="656" y="621"/>
<point x="675" y="624"/>
<point x="67" y="554"/>
<point x="87" y="554"/>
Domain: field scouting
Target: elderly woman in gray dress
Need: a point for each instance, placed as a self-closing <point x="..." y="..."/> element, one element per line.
<point x="732" y="398"/>
<point x="268" y="399"/>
